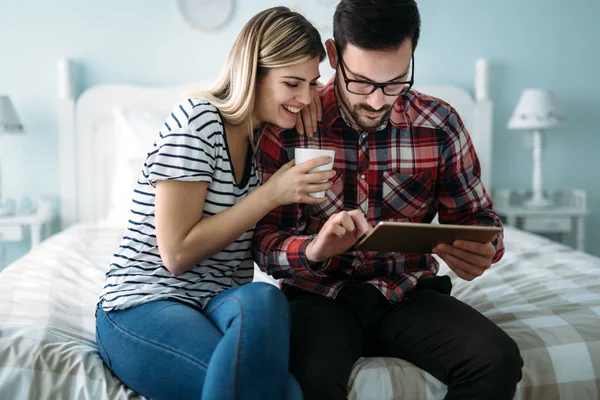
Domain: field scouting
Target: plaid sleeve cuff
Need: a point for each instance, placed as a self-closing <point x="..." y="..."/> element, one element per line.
<point x="498" y="244"/>
<point x="296" y="257"/>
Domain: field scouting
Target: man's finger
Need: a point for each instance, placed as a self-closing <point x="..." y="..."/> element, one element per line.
<point x="468" y="257"/>
<point x="459" y="272"/>
<point x="337" y="230"/>
<point x="346" y="222"/>
<point x="484" y="249"/>
<point x="463" y="275"/>
<point x="360" y="221"/>
<point x="464" y="266"/>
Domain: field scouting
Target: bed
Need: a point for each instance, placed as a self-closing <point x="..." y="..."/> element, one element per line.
<point x="543" y="294"/>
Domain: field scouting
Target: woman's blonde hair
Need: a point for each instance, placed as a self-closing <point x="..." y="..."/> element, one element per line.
<point x="273" y="38"/>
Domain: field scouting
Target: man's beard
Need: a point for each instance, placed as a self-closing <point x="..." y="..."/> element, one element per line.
<point x="362" y="121"/>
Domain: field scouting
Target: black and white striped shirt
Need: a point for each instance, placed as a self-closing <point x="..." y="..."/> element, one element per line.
<point x="191" y="146"/>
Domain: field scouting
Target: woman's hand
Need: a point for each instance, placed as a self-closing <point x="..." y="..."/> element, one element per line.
<point x="293" y="183"/>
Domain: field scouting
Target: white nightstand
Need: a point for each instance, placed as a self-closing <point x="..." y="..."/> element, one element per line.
<point x="567" y="215"/>
<point x="18" y="227"/>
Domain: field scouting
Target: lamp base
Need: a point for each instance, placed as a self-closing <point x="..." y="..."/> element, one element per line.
<point x="538" y="202"/>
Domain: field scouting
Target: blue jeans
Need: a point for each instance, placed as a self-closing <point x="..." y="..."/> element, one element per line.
<point x="236" y="348"/>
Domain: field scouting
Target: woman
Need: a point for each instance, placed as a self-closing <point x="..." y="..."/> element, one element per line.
<point x="179" y="316"/>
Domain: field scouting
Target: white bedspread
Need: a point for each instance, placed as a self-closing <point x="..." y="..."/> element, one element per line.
<point x="545" y="295"/>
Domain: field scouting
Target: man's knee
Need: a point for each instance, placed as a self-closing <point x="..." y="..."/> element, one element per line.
<point x="509" y="358"/>
<point x="321" y="380"/>
<point x="500" y="356"/>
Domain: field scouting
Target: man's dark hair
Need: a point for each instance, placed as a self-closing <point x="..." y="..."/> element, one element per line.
<point x="376" y="24"/>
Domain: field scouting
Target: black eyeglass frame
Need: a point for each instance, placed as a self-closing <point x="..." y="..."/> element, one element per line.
<point x="376" y="85"/>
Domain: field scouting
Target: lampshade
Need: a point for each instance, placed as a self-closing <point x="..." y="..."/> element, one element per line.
<point x="9" y="120"/>
<point x="536" y="109"/>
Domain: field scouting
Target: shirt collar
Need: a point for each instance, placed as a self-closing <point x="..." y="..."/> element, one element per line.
<point x="331" y="111"/>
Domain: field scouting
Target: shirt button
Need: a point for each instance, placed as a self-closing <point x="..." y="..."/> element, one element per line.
<point x="363" y="136"/>
<point x="362" y="176"/>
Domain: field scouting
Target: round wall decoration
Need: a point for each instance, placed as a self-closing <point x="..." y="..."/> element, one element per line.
<point x="206" y="15"/>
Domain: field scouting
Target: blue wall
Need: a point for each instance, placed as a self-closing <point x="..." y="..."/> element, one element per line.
<point x="534" y="43"/>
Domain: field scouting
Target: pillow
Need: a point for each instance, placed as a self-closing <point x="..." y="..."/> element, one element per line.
<point x="135" y="132"/>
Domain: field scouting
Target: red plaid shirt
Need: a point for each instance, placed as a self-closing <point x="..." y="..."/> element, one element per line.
<point x="419" y="163"/>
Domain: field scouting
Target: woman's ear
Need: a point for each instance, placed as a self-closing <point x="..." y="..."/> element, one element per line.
<point x="331" y="53"/>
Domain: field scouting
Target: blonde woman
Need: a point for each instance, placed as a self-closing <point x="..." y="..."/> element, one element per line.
<point x="179" y="317"/>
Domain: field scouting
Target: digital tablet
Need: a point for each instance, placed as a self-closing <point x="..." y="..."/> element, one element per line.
<point x="412" y="237"/>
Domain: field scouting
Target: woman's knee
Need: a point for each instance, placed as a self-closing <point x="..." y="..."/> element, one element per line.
<point x="270" y="299"/>
<point x="131" y="354"/>
<point x="292" y="389"/>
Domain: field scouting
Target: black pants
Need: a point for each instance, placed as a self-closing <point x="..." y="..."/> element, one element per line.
<point x="429" y="328"/>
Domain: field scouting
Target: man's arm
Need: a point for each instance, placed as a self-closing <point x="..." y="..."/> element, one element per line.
<point x="279" y="246"/>
<point x="462" y="196"/>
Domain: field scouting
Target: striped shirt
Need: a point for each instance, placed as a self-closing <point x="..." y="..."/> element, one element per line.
<point x="420" y="162"/>
<point x="191" y="146"/>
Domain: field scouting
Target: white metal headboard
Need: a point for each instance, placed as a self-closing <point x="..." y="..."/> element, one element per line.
<point x="85" y="132"/>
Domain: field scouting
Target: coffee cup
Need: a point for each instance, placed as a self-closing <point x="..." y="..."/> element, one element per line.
<point x="302" y="155"/>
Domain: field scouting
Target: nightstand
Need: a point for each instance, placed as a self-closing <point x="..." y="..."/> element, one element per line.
<point x="18" y="227"/>
<point x="566" y="215"/>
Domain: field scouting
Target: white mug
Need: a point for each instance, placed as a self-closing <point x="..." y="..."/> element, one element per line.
<point x="301" y="155"/>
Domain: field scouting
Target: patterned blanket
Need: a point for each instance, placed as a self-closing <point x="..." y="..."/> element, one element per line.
<point x="545" y="295"/>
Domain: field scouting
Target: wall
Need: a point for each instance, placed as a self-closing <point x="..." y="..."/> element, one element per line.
<point x="535" y="43"/>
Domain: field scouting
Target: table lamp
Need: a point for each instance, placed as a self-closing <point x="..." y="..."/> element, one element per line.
<point x="536" y="111"/>
<point x="9" y="123"/>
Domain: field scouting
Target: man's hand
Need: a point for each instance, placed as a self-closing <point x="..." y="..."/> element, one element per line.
<point x="340" y="232"/>
<point x="467" y="259"/>
<point x="310" y="116"/>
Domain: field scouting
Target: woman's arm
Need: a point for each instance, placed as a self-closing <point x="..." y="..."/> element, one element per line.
<point x="185" y="239"/>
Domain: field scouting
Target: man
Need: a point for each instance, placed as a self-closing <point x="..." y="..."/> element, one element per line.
<point x="400" y="156"/>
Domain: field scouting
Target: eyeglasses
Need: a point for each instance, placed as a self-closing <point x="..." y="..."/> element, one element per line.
<point x="367" y="87"/>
